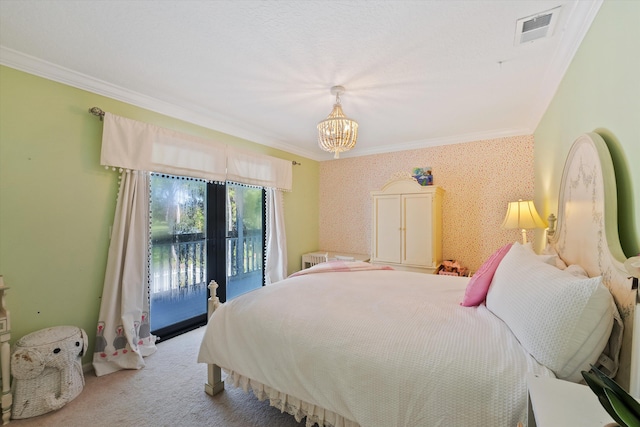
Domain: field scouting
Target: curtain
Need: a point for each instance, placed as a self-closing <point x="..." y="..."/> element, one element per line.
<point x="123" y="332"/>
<point x="276" y="251"/>
<point x="123" y="335"/>
<point x="248" y="167"/>
<point x="134" y="145"/>
<point x="130" y="144"/>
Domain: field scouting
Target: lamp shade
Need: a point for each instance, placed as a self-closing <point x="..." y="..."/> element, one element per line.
<point x="523" y="215"/>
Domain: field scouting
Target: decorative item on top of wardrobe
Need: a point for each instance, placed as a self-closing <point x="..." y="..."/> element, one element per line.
<point x="337" y="133"/>
<point x="424" y="175"/>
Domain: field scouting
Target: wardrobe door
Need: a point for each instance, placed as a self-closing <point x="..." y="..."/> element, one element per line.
<point x="387" y="236"/>
<point x="417" y="227"/>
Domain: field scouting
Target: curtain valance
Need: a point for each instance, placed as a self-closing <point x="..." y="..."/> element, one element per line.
<point x="136" y="145"/>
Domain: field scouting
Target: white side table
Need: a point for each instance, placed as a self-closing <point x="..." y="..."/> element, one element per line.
<point x="554" y="402"/>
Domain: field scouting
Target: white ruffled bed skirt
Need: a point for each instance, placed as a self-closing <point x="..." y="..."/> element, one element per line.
<point x="290" y="404"/>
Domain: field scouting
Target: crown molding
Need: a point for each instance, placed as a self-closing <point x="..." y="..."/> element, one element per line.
<point x="435" y="142"/>
<point x="32" y="65"/>
<point x="50" y="71"/>
<point x="209" y="120"/>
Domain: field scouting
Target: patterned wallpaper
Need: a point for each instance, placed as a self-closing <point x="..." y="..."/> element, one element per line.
<point x="479" y="179"/>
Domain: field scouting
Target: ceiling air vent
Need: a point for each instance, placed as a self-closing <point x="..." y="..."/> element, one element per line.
<point x="535" y="27"/>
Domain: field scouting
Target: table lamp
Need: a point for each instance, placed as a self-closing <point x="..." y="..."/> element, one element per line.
<point x="522" y="215"/>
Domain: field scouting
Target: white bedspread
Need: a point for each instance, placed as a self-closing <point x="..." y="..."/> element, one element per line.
<point x="379" y="348"/>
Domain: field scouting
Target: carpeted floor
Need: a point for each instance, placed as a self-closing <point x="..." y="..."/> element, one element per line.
<point x="169" y="391"/>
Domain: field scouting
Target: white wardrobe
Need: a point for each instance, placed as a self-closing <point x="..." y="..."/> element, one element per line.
<point x="407" y="225"/>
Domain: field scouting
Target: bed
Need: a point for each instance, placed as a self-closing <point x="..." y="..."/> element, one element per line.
<point x="350" y="344"/>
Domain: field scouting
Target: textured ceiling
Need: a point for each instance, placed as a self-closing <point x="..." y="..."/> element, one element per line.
<point x="417" y="73"/>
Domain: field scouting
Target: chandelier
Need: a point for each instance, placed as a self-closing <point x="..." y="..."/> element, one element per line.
<point x="337" y="133"/>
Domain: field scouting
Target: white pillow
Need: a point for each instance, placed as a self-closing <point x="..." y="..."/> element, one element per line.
<point x="563" y="321"/>
<point x="576" y="270"/>
<point x="548" y="255"/>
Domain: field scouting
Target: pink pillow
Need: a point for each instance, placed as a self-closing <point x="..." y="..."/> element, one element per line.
<point x="479" y="283"/>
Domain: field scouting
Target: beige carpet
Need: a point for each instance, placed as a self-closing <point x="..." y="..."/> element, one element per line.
<point x="169" y="391"/>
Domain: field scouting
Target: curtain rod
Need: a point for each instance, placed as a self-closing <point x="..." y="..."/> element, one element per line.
<point x="99" y="112"/>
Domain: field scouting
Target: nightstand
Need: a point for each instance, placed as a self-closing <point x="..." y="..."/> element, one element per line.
<point x="554" y="402"/>
<point x="5" y="334"/>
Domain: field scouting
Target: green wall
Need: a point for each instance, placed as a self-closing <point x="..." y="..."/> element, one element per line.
<point x="57" y="202"/>
<point x="599" y="92"/>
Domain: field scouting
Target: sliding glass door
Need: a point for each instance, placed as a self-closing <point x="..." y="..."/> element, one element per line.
<point x="244" y="239"/>
<point x="201" y="232"/>
<point x="178" y="288"/>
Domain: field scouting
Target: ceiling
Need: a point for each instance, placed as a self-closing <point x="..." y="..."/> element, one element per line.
<point x="416" y="73"/>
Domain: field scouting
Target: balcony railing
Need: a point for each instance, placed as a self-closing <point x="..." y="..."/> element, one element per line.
<point x="181" y="265"/>
<point x="244" y="255"/>
<point x="179" y="280"/>
<point x="178" y="265"/>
